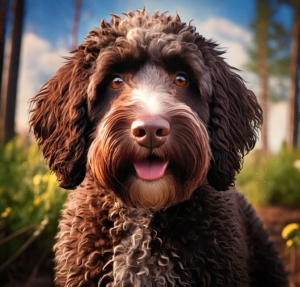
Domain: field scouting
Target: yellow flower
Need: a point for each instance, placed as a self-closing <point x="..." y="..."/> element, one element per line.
<point x="297" y="164"/>
<point x="36" y="201"/>
<point x="36" y="179"/>
<point x="45" y="177"/>
<point x="288" y="229"/>
<point x="6" y="212"/>
<point x="289" y="243"/>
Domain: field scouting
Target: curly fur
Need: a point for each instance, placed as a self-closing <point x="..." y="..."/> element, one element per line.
<point x="188" y="228"/>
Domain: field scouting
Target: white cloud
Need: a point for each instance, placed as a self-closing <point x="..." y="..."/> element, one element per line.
<point x="39" y="61"/>
<point x="230" y="36"/>
<point x="277" y="125"/>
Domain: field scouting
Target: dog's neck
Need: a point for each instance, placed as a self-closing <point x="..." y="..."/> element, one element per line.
<point x="133" y="261"/>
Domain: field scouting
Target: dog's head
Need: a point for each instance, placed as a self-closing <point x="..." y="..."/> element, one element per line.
<point x="151" y="108"/>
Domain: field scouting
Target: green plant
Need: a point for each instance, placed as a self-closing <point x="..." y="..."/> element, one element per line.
<point x="30" y="198"/>
<point x="272" y="179"/>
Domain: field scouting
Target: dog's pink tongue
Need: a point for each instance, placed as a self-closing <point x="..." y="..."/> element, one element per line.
<point x="150" y="169"/>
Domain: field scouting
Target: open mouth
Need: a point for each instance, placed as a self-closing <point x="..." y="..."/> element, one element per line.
<point x="151" y="168"/>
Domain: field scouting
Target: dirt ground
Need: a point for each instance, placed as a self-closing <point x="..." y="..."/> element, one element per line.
<point x="275" y="219"/>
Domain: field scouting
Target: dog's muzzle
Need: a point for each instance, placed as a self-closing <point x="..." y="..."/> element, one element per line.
<point x="150" y="132"/>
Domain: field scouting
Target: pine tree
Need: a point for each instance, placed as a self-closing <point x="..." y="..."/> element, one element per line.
<point x="11" y="96"/>
<point x="3" y="5"/>
<point x="270" y="39"/>
<point x="294" y="69"/>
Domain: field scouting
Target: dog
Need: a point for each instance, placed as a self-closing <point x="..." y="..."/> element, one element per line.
<point x="148" y="126"/>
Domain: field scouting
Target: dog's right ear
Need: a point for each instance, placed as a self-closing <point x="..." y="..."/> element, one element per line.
<point x="59" y="120"/>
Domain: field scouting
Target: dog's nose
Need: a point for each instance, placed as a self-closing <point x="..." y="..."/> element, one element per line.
<point x="150" y="132"/>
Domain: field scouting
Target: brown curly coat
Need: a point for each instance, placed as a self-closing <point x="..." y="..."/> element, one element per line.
<point x="188" y="226"/>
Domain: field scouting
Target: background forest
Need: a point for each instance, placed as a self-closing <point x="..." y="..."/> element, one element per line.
<point x="261" y="38"/>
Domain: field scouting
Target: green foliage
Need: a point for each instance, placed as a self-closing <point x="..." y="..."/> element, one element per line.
<point x="272" y="179"/>
<point x="29" y="195"/>
<point x="27" y="187"/>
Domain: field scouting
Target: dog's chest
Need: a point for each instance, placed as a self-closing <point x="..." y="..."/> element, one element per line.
<point x="172" y="248"/>
<point x="134" y="262"/>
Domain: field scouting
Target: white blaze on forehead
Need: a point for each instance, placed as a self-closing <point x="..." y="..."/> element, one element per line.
<point x="151" y="100"/>
<point x="152" y="89"/>
<point x="135" y="33"/>
<point x="139" y="34"/>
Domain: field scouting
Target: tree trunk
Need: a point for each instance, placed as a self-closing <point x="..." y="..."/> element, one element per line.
<point x="10" y="108"/>
<point x="3" y="5"/>
<point x="76" y="24"/>
<point x="263" y="76"/>
<point x="293" y="107"/>
<point x="297" y="103"/>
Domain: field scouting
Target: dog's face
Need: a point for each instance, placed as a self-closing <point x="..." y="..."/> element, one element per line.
<point x="150" y="147"/>
<point x="150" y="107"/>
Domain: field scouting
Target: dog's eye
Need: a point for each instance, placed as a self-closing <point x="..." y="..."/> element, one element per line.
<point x="180" y="81"/>
<point x="116" y="83"/>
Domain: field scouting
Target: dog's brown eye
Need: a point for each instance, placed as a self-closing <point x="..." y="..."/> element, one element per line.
<point x="116" y="83"/>
<point x="180" y="81"/>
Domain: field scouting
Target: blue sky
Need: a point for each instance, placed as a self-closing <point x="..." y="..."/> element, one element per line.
<point x="48" y="25"/>
<point x="53" y="20"/>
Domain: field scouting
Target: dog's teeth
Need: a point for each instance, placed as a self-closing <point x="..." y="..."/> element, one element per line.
<point x="150" y="169"/>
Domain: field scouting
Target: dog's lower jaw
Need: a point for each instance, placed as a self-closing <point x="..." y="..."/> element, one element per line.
<point x="158" y="194"/>
<point x="154" y="195"/>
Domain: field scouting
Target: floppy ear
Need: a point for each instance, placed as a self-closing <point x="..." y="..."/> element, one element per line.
<point x="59" y="113"/>
<point x="235" y="120"/>
<point x="59" y="120"/>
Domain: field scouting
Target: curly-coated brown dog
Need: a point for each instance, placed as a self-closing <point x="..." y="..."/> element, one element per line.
<point x="149" y="126"/>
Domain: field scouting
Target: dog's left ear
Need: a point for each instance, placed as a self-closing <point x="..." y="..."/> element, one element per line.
<point x="235" y="120"/>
